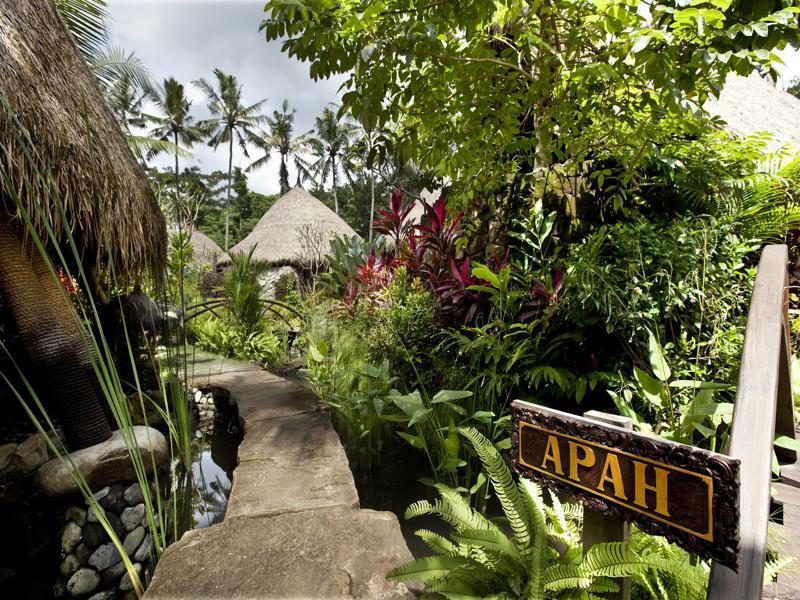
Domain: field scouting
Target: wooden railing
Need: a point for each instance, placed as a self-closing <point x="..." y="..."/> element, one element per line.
<point x="763" y="410"/>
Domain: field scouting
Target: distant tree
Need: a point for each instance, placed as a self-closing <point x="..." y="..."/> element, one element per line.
<point x="230" y="120"/>
<point x="794" y="87"/>
<point x="279" y="138"/>
<point x="330" y="147"/>
<point x="175" y="124"/>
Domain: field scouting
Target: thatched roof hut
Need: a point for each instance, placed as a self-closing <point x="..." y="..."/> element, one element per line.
<point x="81" y="156"/>
<point x="750" y="105"/>
<point x="296" y="229"/>
<point x="205" y="251"/>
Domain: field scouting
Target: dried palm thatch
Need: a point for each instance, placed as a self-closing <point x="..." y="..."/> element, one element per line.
<point x="295" y="230"/>
<point x="205" y="251"/>
<point x="50" y="103"/>
<point x="751" y="105"/>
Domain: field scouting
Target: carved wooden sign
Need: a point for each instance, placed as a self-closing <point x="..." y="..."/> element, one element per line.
<point x="686" y="494"/>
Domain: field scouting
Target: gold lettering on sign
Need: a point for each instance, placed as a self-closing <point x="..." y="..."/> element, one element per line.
<point x="642" y="487"/>
<point x="587" y="461"/>
<point x="552" y="453"/>
<point x="615" y="477"/>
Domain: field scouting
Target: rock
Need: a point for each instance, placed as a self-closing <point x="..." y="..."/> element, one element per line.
<point x="107" y="595"/>
<point x="6" y="450"/>
<point x="112" y="574"/>
<point x="92" y="515"/>
<point x="114" y="500"/>
<point x="105" y="556"/>
<point x="94" y="534"/>
<point x="59" y="589"/>
<point x="132" y="516"/>
<point x="82" y="582"/>
<point x="75" y="514"/>
<point x="198" y="396"/>
<point x="100" y="494"/>
<point x="83" y="552"/>
<point x="69" y="565"/>
<point x="101" y="463"/>
<point x="71" y="537"/>
<point x="116" y="525"/>
<point x="32" y="453"/>
<point x="133" y="495"/>
<point x="132" y="540"/>
<point x="126" y="584"/>
<point x="146" y="547"/>
<point x="329" y="553"/>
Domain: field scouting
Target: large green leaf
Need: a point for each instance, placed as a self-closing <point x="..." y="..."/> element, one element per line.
<point x="657" y="361"/>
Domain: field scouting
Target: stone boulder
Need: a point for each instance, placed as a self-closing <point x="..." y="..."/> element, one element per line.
<point x="102" y="463"/>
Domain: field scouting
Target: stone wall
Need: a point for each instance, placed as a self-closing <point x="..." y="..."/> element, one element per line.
<point x="91" y="566"/>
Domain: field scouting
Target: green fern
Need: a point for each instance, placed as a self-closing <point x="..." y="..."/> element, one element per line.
<point x="543" y="558"/>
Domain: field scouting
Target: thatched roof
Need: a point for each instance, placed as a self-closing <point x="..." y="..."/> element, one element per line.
<point x="205" y="251"/>
<point x="295" y="227"/>
<point x="81" y="156"/>
<point x="752" y="105"/>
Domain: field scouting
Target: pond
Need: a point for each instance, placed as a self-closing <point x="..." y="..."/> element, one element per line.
<point x="217" y="438"/>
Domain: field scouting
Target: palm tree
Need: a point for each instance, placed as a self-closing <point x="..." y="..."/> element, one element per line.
<point x="330" y="145"/>
<point x="281" y="127"/>
<point x="230" y="119"/>
<point x="175" y="124"/>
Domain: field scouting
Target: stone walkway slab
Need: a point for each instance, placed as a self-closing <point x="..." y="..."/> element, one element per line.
<point x="293" y="529"/>
<point x="323" y="554"/>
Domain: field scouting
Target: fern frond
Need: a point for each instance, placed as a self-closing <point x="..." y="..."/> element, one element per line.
<point x="564" y="577"/>
<point x="426" y="568"/>
<point x="438" y="543"/>
<point x="502" y="481"/>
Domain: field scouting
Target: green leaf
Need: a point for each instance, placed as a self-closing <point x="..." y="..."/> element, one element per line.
<point x="651" y="387"/>
<point x="409" y="403"/>
<point x="414" y="440"/>
<point x="450" y="396"/>
<point x="483" y="272"/>
<point x="657" y="361"/>
<point x="788" y="443"/>
<point x="420" y="416"/>
<point x="314" y="354"/>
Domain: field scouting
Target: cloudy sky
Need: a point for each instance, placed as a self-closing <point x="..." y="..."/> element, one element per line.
<point x="187" y="39"/>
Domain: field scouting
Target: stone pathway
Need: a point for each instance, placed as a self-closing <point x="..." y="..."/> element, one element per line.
<point x="293" y="528"/>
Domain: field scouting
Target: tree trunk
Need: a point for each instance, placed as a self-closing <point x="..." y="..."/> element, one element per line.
<point x="53" y="340"/>
<point x="335" y="196"/>
<point x="371" y="201"/>
<point x="228" y="200"/>
<point x="284" y="175"/>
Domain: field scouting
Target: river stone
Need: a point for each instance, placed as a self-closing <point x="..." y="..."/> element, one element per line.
<point x="105" y="556"/>
<point x="82" y="582"/>
<point x="91" y="515"/>
<point x="76" y="515"/>
<point x="106" y="595"/>
<point x="133" y="495"/>
<point x="71" y="537"/>
<point x="6" y="450"/>
<point x="132" y="540"/>
<point x="32" y="453"/>
<point x="69" y="565"/>
<point x="100" y="494"/>
<point x="132" y="516"/>
<point x="126" y="584"/>
<point x="101" y="463"/>
<point x="94" y="534"/>
<point x="83" y="552"/>
<point x="146" y="547"/>
<point x="112" y="574"/>
<point x="116" y="524"/>
<point x="114" y="501"/>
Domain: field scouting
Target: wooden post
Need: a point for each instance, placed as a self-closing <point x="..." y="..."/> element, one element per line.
<point x="598" y="527"/>
<point x="762" y="386"/>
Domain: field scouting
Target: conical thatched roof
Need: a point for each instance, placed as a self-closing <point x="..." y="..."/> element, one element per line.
<point x="81" y="156"/>
<point x="206" y="251"/>
<point x="753" y="105"/>
<point x="294" y="228"/>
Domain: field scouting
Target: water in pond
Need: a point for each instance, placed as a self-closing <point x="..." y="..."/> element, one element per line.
<point x="218" y="434"/>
